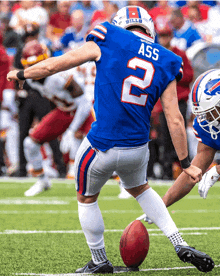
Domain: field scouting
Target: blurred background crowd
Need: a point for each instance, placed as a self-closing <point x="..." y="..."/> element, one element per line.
<point x="190" y="29"/>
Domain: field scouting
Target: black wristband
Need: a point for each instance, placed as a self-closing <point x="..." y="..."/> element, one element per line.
<point x="185" y="163"/>
<point x="20" y="75"/>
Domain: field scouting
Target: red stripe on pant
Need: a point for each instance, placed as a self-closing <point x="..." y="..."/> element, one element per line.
<point x="82" y="170"/>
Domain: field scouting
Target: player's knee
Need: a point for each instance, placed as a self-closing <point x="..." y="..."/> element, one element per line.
<point x="136" y="191"/>
<point x="30" y="145"/>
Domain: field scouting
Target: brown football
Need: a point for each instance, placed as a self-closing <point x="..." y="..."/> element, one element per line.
<point x="134" y="244"/>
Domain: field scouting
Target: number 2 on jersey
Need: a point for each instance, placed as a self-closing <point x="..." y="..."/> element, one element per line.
<point x="130" y="81"/>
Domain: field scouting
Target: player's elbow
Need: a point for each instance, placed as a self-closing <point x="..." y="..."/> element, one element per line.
<point x="49" y="69"/>
<point x="175" y="122"/>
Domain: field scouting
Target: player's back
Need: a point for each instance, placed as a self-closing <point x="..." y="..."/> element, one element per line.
<point x="132" y="73"/>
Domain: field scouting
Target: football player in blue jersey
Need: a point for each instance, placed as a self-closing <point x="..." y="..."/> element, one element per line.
<point x="206" y="107"/>
<point x="133" y="72"/>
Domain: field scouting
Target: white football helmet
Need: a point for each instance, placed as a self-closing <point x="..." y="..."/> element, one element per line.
<point x="134" y="16"/>
<point x="206" y="99"/>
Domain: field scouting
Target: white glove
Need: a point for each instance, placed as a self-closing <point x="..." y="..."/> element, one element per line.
<point x="66" y="141"/>
<point x="208" y="180"/>
<point x="145" y="218"/>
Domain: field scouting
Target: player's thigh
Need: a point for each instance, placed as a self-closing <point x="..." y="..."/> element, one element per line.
<point x="51" y="126"/>
<point x="92" y="168"/>
<point x="132" y="166"/>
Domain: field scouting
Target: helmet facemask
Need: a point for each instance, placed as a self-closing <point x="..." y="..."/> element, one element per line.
<point x="209" y="121"/>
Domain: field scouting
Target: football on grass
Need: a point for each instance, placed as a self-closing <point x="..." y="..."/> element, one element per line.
<point x="134" y="244"/>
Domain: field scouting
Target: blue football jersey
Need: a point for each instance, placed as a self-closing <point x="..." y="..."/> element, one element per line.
<point x="132" y="73"/>
<point x="205" y="137"/>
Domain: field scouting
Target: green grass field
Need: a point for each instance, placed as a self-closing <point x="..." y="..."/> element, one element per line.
<point x="41" y="235"/>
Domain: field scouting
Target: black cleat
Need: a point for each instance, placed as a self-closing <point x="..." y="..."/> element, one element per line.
<point x="102" y="268"/>
<point x="199" y="259"/>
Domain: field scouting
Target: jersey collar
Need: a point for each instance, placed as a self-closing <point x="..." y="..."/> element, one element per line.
<point x="143" y="36"/>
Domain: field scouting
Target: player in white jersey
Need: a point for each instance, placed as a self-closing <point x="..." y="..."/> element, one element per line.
<point x="72" y="112"/>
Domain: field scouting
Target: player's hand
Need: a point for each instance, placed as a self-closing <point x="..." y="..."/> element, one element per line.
<point x="194" y="172"/>
<point x="66" y="141"/>
<point x="12" y="75"/>
<point x="208" y="180"/>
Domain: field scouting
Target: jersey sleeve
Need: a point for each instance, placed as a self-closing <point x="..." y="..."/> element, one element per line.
<point x="180" y="73"/>
<point x="98" y="34"/>
<point x="177" y="67"/>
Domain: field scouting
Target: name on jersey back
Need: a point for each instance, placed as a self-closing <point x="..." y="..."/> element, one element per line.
<point x="148" y="51"/>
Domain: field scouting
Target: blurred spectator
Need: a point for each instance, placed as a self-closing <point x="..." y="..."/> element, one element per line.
<point x="10" y="131"/>
<point x="185" y="34"/>
<point x="161" y="14"/>
<point x="109" y="8"/>
<point x="28" y="13"/>
<point x="183" y="89"/>
<point x="5" y="10"/>
<point x="74" y="35"/>
<point x="203" y="9"/>
<point x="50" y="6"/>
<point x="142" y="4"/>
<point x="210" y="3"/>
<point x="87" y="7"/>
<point x="194" y="15"/>
<point x="4" y="69"/>
<point x="213" y="24"/>
<point x="11" y="39"/>
<point x="16" y="5"/>
<point x="59" y="21"/>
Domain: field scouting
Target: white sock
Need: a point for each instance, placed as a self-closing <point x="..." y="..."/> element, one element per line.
<point x="154" y="207"/>
<point x="93" y="227"/>
<point x="32" y="153"/>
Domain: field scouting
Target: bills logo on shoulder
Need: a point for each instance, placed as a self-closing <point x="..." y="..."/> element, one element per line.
<point x="212" y="88"/>
<point x="133" y="20"/>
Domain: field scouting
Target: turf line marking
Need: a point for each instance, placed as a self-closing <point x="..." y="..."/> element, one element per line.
<point x="11" y="232"/>
<point x="15" y="212"/>
<point x="171" y="268"/>
<point x="25" y="201"/>
<point x="110" y="182"/>
<point x="78" y="274"/>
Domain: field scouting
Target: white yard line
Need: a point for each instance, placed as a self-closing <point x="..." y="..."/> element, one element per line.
<point x="16" y="212"/>
<point x="11" y="232"/>
<point x="77" y="274"/>
<point x="111" y="182"/>
<point x="27" y="201"/>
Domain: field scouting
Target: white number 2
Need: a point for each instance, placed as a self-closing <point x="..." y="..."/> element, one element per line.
<point x="130" y="81"/>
